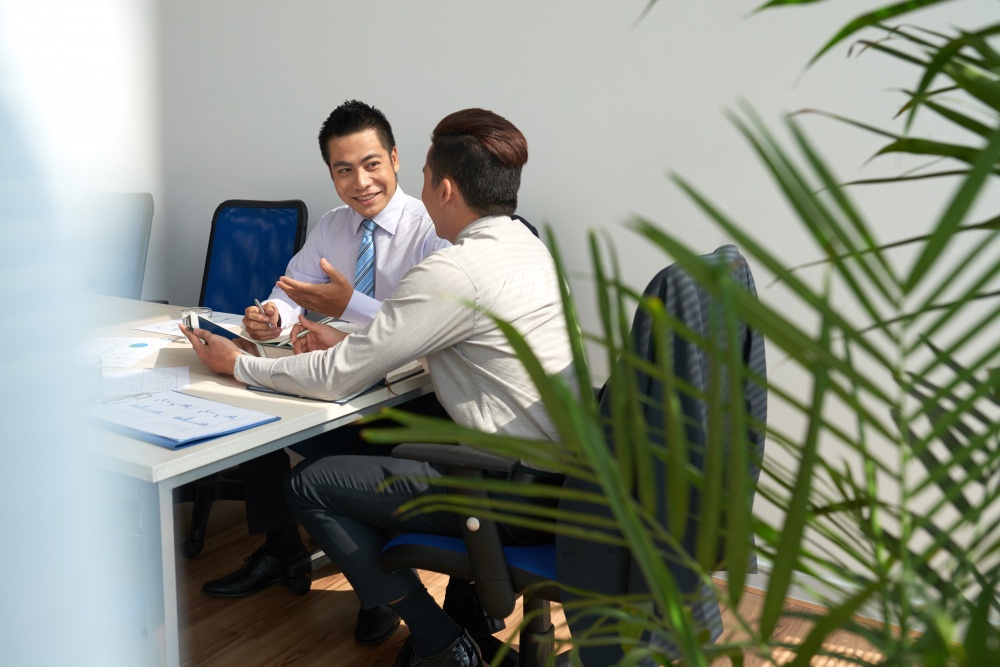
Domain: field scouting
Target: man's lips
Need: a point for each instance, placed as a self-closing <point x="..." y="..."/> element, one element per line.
<point x="364" y="199"/>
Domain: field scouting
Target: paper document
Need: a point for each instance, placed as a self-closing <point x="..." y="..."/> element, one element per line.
<point x="145" y="380"/>
<point x="173" y="419"/>
<point x="122" y="352"/>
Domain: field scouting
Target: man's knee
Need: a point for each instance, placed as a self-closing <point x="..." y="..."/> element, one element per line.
<point x="298" y="485"/>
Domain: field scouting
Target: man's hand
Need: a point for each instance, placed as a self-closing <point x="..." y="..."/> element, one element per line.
<point x="325" y="298"/>
<point x="320" y="336"/>
<point x="217" y="353"/>
<point x="262" y="326"/>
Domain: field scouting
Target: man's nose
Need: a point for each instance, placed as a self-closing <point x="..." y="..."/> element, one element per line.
<point x="364" y="179"/>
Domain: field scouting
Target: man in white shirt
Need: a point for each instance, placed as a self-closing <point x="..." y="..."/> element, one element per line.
<point x="439" y="310"/>
<point x="358" y="147"/>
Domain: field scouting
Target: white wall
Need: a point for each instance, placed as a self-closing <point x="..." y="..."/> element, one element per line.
<point x="608" y="108"/>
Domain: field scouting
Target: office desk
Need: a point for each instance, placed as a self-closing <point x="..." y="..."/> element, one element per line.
<point x="152" y="472"/>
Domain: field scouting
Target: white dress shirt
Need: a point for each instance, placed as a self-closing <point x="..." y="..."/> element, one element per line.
<point x="441" y="309"/>
<point x="404" y="235"/>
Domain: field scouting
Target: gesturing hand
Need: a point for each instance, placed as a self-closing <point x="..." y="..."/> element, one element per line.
<point x="325" y="298"/>
<point x="320" y="336"/>
<point x="262" y="326"/>
<point x="217" y="353"/>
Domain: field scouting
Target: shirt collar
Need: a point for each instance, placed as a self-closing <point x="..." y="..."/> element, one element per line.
<point x="388" y="217"/>
<point x="481" y="224"/>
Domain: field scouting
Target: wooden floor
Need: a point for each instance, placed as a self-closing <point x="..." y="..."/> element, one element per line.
<point x="275" y="628"/>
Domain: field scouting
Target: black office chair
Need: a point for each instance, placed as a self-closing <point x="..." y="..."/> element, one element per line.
<point x="502" y="573"/>
<point x="249" y="247"/>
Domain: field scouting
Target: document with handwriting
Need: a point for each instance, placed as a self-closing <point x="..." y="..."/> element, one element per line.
<point x="173" y="419"/>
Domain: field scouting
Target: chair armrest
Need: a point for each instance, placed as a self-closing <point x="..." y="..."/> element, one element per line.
<point x="482" y="538"/>
<point x="458" y="457"/>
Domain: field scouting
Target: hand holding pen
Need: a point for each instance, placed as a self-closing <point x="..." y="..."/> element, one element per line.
<point x="322" y="336"/>
<point x="262" y="321"/>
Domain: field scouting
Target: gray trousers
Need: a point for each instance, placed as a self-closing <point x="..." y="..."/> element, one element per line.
<point x="335" y="499"/>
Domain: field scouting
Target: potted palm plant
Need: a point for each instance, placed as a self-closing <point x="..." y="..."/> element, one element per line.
<point x="889" y="486"/>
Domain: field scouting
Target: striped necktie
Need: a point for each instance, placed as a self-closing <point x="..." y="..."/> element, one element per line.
<point x="364" y="275"/>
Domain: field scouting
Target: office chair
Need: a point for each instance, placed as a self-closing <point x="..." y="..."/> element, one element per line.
<point x="249" y="247"/>
<point x="501" y="573"/>
<point x="116" y="228"/>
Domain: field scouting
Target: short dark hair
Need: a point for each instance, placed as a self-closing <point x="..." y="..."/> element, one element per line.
<point x="482" y="153"/>
<point x="354" y="116"/>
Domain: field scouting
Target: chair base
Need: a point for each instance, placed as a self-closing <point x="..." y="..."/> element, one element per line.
<point x="538" y="639"/>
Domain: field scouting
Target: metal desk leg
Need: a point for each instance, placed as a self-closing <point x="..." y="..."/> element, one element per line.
<point x="159" y="575"/>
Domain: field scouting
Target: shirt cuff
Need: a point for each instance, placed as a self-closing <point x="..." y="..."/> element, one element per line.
<point x="243" y="369"/>
<point x="289" y="314"/>
<point x="361" y="309"/>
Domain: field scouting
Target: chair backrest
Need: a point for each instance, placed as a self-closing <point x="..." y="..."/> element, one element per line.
<point x="250" y="245"/>
<point x="116" y="227"/>
<point x="692" y="306"/>
<point x="531" y="227"/>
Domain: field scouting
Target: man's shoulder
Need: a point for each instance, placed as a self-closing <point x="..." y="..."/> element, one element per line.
<point x="415" y="222"/>
<point x="340" y="214"/>
<point x="414" y="209"/>
<point x="441" y="270"/>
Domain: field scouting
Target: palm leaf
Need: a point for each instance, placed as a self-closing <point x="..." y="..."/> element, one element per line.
<point x="864" y="21"/>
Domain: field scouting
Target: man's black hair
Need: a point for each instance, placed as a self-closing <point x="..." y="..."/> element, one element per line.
<point x="353" y="116"/>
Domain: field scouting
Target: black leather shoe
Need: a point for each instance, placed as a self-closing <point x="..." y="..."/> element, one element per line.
<point x="375" y="625"/>
<point x="462" y="652"/>
<point x="260" y="571"/>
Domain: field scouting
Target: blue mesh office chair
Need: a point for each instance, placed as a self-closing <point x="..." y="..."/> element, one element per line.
<point x="249" y="247"/>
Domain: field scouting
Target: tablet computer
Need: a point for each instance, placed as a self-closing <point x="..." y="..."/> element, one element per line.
<point x="211" y="327"/>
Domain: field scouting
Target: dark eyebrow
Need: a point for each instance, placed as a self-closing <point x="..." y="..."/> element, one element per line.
<point x="343" y="163"/>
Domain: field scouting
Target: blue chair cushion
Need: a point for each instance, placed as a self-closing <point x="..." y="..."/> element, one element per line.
<point x="536" y="562"/>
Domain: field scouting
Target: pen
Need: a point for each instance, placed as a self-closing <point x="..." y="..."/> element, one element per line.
<point x="257" y="303"/>
<point x="325" y="320"/>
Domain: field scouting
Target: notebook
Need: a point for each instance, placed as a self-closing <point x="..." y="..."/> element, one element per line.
<point x="172" y="419"/>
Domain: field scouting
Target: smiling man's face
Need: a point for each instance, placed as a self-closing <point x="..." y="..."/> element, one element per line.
<point x="363" y="172"/>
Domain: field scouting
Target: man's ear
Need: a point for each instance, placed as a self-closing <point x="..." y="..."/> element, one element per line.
<point x="447" y="190"/>
<point x="394" y="159"/>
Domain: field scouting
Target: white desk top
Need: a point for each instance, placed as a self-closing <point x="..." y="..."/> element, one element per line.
<point x="300" y="418"/>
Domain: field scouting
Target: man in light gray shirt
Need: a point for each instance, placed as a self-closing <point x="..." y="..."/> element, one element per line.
<point x="439" y="310"/>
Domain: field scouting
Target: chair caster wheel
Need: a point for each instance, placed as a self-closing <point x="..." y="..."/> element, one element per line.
<point x="298" y="585"/>
<point x="191" y="548"/>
